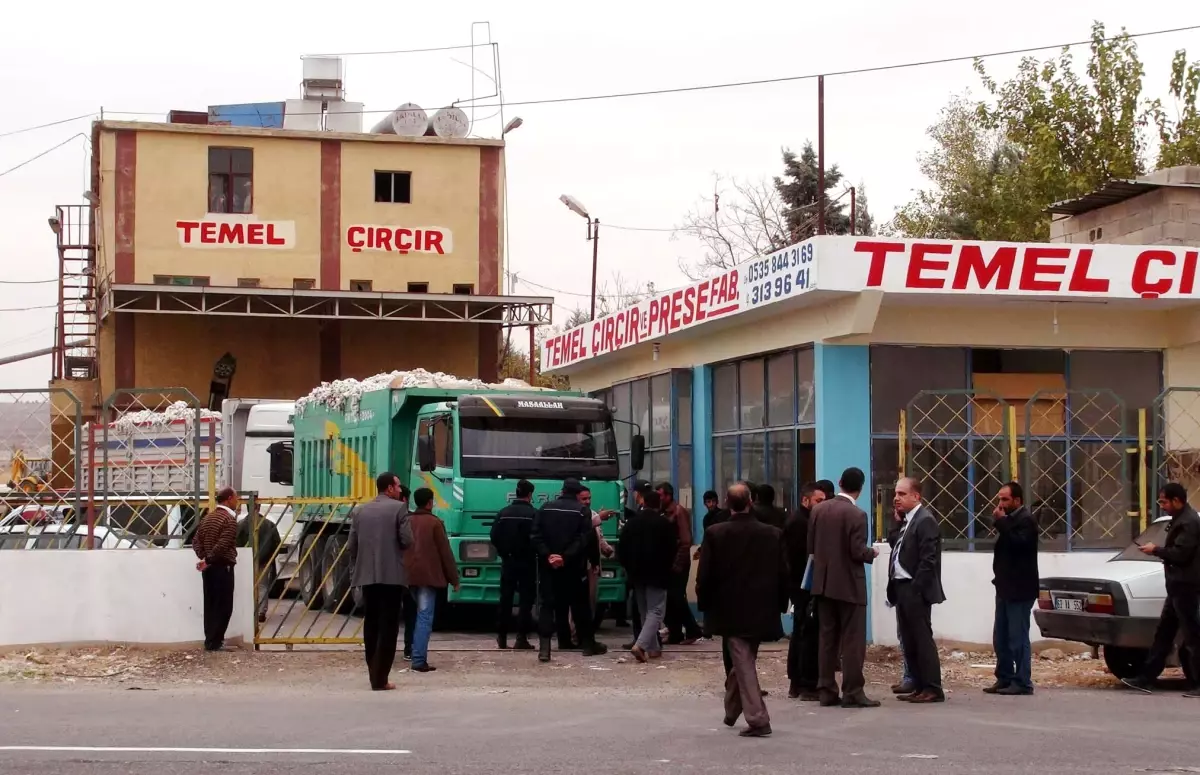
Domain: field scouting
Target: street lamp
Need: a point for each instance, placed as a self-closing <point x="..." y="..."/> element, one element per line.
<point x="511" y="125"/>
<point x="575" y="206"/>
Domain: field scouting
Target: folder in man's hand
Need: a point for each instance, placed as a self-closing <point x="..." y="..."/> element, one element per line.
<point x="806" y="582"/>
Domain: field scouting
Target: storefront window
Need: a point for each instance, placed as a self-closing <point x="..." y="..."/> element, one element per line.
<point x="661" y="406"/>
<point x="773" y="393"/>
<point x="660" y="413"/>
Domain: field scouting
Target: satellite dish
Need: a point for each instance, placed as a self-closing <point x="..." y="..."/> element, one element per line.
<point x="410" y="120"/>
<point x="451" y="123"/>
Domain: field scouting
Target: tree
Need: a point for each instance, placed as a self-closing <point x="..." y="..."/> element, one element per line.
<point x="743" y="219"/>
<point x="864" y="222"/>
<point x="799" y="191"/>
<point x="1044" y="136"/>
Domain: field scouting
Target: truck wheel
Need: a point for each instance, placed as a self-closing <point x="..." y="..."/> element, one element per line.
<point x="1124" y="662"/>
<point x="336" y="568"/>
<point x="310" y="572"/>
<point x="1185" y="662"/>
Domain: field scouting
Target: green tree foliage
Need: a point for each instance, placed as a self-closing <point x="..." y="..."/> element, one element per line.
<point x="798" y="188"/>
<point x="1047" y="134"/>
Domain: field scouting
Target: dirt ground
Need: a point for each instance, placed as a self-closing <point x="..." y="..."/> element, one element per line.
<point x="693" y="669"/>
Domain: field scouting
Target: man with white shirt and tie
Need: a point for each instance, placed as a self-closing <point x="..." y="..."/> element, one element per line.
<point x="914" y="587"/>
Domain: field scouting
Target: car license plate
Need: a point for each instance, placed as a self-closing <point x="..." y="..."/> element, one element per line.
<point x="1068" y="604"/>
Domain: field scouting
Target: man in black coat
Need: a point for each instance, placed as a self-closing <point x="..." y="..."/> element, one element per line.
<point x="560" y="533"/>
<point x="914" y="587"/>
<point x="1181" y="566"/>
<point x="742" y="587"/>
<point x="713" y="513"/>
<point x="1015" y="569"/>
<point x="646" y="550"/>
<point x="766" y="510"/>
<point x="512" y="536"/>
<point x="803" y="651"/>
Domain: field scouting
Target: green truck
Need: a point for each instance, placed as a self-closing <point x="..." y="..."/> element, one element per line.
<point x="470" y="446"/>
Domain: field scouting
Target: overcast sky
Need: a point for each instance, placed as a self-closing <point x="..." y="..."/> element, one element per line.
<point x="640" y="162"/>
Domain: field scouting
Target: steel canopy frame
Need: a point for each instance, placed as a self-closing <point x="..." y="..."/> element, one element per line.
<point x="353" y="305"/>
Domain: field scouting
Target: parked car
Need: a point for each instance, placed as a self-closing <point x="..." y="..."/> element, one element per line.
<point x="1116" y="609"/>
<point x="66" y="536"/>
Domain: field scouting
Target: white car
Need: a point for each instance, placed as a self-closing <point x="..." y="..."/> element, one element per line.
<point x="65" y="536"/>
<point x="1117" y="609"/>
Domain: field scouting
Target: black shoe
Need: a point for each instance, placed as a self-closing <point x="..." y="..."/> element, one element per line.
<point x="996" y="688"/>
<point x="904" y="687"/>
<point x="807" y="696"/>
<point x="829" y="700"/>
<point x="544" y="650"/>
<point x="859" y="701"/>
<point x="764" y="692"/>
<point x="523" y="644"/>
<point x="755" y="732"/>
<point x="1140" y="684"/>
<point x="502" y="642"/>
<point x="595" y="649"/>
<point x="730" y="721"/>
<point x="424" y="669"/>
<point x="1194" y="694"/>
<point x="407" y="655"/>
<point x="1013" y="690"/>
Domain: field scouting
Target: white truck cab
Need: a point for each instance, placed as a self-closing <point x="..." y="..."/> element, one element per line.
<point x="1117" y="608"/>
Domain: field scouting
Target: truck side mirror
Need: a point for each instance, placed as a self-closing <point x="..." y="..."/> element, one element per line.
<point x="280" y="470"/>
<point x="425" y="457"/>
<point x="637" y="452"/>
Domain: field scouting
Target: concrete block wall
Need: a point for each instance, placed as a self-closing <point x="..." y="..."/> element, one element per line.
<point x="1167" y="216"/>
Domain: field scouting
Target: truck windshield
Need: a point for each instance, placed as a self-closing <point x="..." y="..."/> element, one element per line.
<point x="549" y="447"/>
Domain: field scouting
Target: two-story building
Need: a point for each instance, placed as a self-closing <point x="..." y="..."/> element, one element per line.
<point x="306" y="255"/>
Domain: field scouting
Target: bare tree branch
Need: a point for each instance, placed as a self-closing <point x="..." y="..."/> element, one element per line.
<point x="744" y="219"/>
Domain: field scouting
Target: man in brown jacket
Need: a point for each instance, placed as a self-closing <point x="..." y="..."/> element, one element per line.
<point x="681" y="624"/>
<point x="837" y="538"/>
<point x="430" y="567"/>
<point x="741" y="586"/>
<point x="215" y="544"/>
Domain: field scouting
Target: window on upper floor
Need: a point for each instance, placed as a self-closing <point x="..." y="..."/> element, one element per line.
<point x="464" y="290"/>
<point x="174" y="279"/>
<point x="393" y="187"/>
<point x="360" y="285"/>
<point x="303" y="283"/>
<point x="230" y="180"/>
<point x="249" y="282"/>
<point x="418" y="287"/>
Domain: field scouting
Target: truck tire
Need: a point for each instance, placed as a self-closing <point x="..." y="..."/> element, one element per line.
<point x="1185" y="662"/>
<point x="1124" y="662"/>
<point x="335" y="565"/>
<point x="311" y="571"/>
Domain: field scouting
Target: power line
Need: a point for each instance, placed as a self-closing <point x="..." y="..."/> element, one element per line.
<point x="405" y="50"/>
<point x="635" y="228"/>
<point x="29" y="309"/>
<point x="44" y="126"/>
<point x="767" y="81"/>
<point x="43" y="153"/>
<point x="29" y="282"/>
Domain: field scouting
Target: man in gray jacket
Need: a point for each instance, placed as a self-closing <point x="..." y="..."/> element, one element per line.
<point x="379" y="534"/>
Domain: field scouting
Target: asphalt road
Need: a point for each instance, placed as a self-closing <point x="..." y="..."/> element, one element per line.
<point x="431" y="730"/>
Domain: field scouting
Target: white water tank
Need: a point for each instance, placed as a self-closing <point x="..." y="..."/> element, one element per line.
<point x="408" y="120"/>
<point x="450" y="122"/>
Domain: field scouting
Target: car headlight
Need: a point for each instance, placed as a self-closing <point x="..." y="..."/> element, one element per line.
<point x="476" y="551"/>
<point x="608" y="574"/>
<point x="470" y="573"/>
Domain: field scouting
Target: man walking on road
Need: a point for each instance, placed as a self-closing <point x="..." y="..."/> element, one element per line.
<point x="430" y="567"/>
<point x="379" y="534"/>
<point x="914" y="587"/>
<point x="803" y="649"/>
<point x="646" y="550"/>
<point x="742" y="587"/>
<point x="681" y="624"/>
<point x="560" y="534"/>
<point x="215" y="544"/>
<point x="837" y="538"/>
<point x="511" y="535"/>
<point x="1015" y="567"/>
<point x="1181" y="562"/>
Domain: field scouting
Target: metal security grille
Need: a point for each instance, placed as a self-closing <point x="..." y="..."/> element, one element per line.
<point x="1077" y="468"/>
<point x="961" y="444"/>
<point x="1176" y="442"/>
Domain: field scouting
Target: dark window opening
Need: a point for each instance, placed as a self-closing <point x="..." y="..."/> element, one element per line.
<point x="230" y="180"/>
<point x="304" y="283"/>
<point x="464" y="290"/>
<point x="360" y="285"/>
<point x="418" y="287"/>
<point x="989" y="361"/>
<point x="393" y="187"/>
<point x="174" y="279"/>
<point x="248" y="282"/>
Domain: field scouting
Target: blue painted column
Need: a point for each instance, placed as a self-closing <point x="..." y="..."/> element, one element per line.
<point x="843" y="386"/>
<point x="702" y="443"/>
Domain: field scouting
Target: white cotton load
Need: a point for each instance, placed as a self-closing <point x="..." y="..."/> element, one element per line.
<point x="346" y="393"/>
<point x="139" y="420"/>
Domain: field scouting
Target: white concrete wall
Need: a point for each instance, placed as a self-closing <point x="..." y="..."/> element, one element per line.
<point x="134" y="596"/>
<point x="969" y="610"/>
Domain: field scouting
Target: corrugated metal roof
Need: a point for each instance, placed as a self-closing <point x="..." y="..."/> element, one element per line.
<point x="1114" y="192"/>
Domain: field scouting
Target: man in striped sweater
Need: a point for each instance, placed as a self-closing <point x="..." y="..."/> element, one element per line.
<point x="215" y="545"/>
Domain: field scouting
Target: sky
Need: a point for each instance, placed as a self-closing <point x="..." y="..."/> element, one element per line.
<point x="640" y="162"/>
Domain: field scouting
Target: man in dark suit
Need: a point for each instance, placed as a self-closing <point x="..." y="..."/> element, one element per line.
<point x="518" y="565"/>
<point x="379" y="534"/>
<point x="914" y="587"/>
<point x="837" y="538"/>
<point x="766" y="510"/>
<point x="741" y="586"/>
<point x="1015" y="565"/>
<point x="804" y="649"/>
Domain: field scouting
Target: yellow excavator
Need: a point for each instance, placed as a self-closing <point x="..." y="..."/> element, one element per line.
<point x="24" y="477"/>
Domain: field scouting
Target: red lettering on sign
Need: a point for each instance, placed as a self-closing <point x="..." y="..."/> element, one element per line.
<point x="208" y="233"/>
<point x="383" y="239"/>
<point x="676" y="309"/>
<point x="355" y="238"/>
<point x="689" y="306"/>
<point x="701" y="300"/>
<point x="920" y="263"/>
<point x="187" y="227"/>
<point x="1142" y="285"/>
<point x="1187" y="283"/>
<point x="664" y="314"/>
<point x="231" y="233"/>
<point x="633" y="325"/>
<point x="971" y="262"/>
<point x="255" y="234"/>
<point x="733" y="286"/>
<point x="271" y="238"/>
<point x="614" y="332"/>
<point x="433" y="243"/>
<point x="1035" y="267"/>
<point x="879" y="252"/>
<point x="653" y="312"/>
<point x="403" y="240"/>
<point x="1080" y="281"/>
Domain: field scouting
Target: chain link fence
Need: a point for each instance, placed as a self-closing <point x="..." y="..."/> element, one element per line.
<point x="1175" y="442"/>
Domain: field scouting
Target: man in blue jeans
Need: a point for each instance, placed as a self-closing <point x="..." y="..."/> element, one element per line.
<point x="1015" y="565"/>
<point x="429" y="563"/>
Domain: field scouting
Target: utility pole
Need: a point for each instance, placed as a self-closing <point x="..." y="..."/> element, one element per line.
<point x="595" y="237"/>
<point x="820" y="154"/>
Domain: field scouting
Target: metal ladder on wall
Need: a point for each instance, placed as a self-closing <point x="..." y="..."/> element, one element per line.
<point x="77" y="323"/>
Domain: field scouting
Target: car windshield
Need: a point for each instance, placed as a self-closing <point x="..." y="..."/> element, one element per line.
<point x="1155" y="534"/>
<point x="551" y="447"/>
